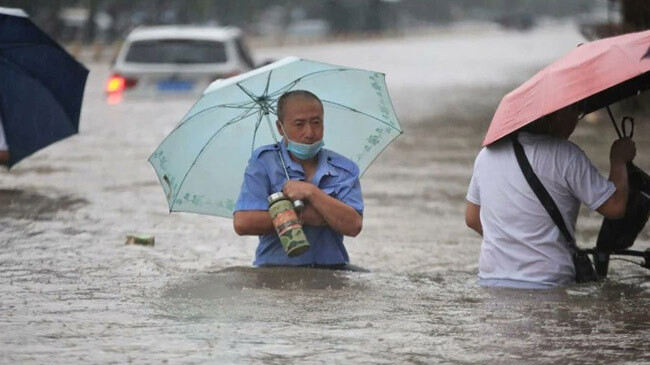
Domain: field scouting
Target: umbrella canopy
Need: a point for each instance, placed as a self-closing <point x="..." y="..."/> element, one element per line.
<point x="595" y="74"/>
<point x="201" y="163"/>
<point x="41" y="87"/>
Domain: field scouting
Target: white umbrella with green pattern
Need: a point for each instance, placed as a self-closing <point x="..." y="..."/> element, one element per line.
<point x="201" y="163"/>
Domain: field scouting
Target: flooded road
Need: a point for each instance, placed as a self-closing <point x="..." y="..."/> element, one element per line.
<point x="72" y="292"/>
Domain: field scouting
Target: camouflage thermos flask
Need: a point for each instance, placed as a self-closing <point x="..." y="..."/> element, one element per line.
<point x="287" y="225"/>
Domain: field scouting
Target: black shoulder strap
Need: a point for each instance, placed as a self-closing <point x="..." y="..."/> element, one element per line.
<point x="540" y="191"/>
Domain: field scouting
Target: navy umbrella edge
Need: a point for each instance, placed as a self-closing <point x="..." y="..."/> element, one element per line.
<point x="41" y="88"/>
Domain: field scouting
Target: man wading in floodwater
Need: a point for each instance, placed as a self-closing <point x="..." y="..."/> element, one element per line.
<point x="327" y="182"/>
<point x="522" y="246"/>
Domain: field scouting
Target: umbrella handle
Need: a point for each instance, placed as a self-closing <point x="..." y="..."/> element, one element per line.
<point x="624" y="123"/>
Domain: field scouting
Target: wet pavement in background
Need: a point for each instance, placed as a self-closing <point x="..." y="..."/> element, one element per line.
<point x="73" y="292"/>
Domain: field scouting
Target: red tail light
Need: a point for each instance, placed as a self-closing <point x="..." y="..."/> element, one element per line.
<point x="117" y="83"/>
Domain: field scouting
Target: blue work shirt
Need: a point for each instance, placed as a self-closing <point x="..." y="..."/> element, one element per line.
<point x="335" y="175"/>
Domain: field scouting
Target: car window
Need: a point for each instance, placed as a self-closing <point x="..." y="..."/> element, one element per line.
<point x="244" y="55"/>
<point x="185" y="51"/>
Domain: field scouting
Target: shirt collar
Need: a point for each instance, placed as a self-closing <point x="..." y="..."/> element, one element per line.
<point x="288" y="161"/>
<point x="325" y="163"/>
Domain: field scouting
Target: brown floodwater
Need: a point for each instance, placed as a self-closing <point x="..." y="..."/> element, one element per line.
<point x="73" y="292"/>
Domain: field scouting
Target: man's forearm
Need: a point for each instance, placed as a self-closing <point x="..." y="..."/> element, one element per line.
<point x="478" y="228"/>
<point x="311" y="217"/>
<point x="473" y="217"/>
<point x="618" y="176"/>
<point x="338" y="215"/>
<point x="253" y="223"/>
<point x="623" y="150"/>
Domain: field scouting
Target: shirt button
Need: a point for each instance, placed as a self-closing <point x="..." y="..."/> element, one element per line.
<point x="329" y="159"/>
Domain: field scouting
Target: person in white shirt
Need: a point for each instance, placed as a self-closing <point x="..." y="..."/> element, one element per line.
<point x="522" y="247"/>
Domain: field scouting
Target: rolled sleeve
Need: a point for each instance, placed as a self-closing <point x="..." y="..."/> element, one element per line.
<point x="586" y="183"/>
<point x="350" y="192"/>
<point x="255" y="188"/>
<point x="473" y="192"/>
<point x="354" y="198"/>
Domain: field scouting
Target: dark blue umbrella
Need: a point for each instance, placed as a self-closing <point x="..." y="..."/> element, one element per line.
<point x="41" y="87"/>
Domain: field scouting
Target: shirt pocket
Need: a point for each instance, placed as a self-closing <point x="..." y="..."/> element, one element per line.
<point x="330" y="188"/>
<point x="278" y="179"/>
<point x="279" y="183"/>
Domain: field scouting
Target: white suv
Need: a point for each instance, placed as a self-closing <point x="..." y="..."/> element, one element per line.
<point x="173" y="60"/>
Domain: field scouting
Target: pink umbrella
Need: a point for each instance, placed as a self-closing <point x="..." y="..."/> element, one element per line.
<point x="595" y="74"/>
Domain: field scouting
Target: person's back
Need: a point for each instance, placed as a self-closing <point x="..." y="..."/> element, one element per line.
<point x="521" y="244"/>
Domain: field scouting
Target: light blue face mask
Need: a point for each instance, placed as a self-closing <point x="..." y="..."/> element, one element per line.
<point x="304" y="151"/>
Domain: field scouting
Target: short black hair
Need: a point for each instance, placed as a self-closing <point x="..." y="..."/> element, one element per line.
<point x="282" y="102"/>
<point x="539" y="126"/>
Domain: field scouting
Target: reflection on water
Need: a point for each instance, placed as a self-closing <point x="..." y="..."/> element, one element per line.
<point x="20" y="204"/>
<point x="241" y="278"/>
<point x="72" y="292"/>
<point x="275" y="315"/>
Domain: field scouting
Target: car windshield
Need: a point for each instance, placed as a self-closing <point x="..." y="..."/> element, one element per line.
<point x="184" y="51"/>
